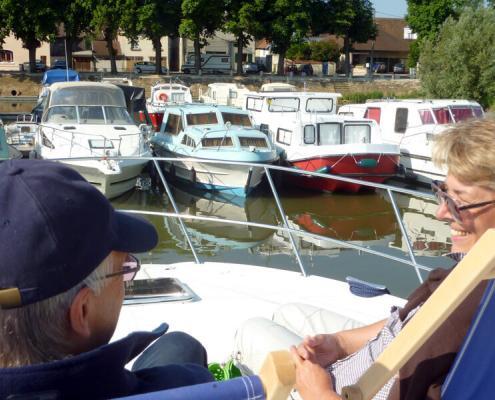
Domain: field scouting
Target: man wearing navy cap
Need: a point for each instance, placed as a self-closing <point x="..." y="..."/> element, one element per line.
<point x="64" y="257"/>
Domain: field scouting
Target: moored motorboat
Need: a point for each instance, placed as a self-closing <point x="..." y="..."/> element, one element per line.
<point x="213" y="133"/>
<point x="7" y="151"/>
<point x="413" y="124"/>
<point x="163" y="95"/>
<point x="87" y="119"/>
<point x="21" y="133"/>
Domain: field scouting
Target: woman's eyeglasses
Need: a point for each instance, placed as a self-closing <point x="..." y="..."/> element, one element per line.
<point x="441" y="195"/>
<point x="130" y="268"/>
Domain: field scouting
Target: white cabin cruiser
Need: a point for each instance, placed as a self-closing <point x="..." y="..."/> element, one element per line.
<point x="305" y="127"/>
<point x="412" y="124"/>
<point x="88" y="119"/>
<point x="163" y="95"/>
<point x="213" y="133"/>
<point x="225" y="93"/>
<point x="22" y="133"/>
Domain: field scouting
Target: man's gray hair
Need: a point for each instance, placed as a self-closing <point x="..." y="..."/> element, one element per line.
<point x="38" y="332"/>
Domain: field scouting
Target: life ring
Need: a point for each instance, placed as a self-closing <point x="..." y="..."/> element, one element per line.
<point x="161" y="96"/>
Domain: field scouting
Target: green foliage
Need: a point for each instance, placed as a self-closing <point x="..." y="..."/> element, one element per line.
<point x="200" y="19"/>
<point x="361" y="97"/>
<point x="299" y="51"/>
<point x="414" y="53"/>
<point x="461" y="62"/>
<point x="324" y="51"/>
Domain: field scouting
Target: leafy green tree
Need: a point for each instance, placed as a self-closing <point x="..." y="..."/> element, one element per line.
<point x="241" y="19"/>
<point x="350" y="19"/>
<point x="283" y="23"/>
<point x="152" y="19"/>
<point x="106" y="20"/>
<point x="75" y="17"/>
<point x="31" y="21"/>
<point x="461" y="62"/>
<point x="299" y="51"/>
<point x="201" y="18"/>
<point x="324" y="51"/>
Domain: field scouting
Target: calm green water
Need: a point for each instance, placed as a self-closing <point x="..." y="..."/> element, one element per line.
<point x="365" y="219"/>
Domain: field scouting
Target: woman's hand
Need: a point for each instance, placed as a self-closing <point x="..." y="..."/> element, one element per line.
<point x="320" y="349"/>
<point x="312" y="381"/>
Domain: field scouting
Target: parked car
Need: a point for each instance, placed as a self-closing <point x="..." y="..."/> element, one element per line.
<point x="380" y="67"/>
<point x="147" y="67"/>
<point x="252" y="68"/>
<point x="59" y="64"/>
<point x="39" y="66"/>
<point x="399" y="68"/>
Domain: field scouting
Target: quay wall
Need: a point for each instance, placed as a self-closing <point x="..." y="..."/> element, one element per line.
<point x="17" y="84"/>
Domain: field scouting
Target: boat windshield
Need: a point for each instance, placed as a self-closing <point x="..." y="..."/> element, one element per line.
<point x="426" y="117"/>
<point x="466" y="112"/>
<point x="202" y="119"/>
<point x="357" y="133"/>
<point x="319" y="105"/>
<point x="95" y="115"/>
<point x="88" y="95"/>
<point x="329" y="133"/>
<point x="283" y="104"/>
<point x="177" y="97"/>
<point x="236" y="119"/>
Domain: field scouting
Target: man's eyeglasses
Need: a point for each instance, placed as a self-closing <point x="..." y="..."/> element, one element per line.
<point x="438" y="189"/>
<point x="130" y="267"/>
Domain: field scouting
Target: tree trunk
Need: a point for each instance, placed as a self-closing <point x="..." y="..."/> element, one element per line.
<point x="197" y="54"/>
<point x="111" y="51"/>
<point x="32" y="57"/>
<point x="240" y="51"/>
<point x="157" y="45"/>
<point x="347" y="50"/>
<point x="281" y="62"/>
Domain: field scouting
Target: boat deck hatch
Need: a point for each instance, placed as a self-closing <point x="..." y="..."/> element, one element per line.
<point x="157" y="290"/>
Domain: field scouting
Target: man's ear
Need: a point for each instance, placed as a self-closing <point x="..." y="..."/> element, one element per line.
<point x="79" y="317"/>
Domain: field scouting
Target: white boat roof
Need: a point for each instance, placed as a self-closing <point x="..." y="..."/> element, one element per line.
<point x="277" y="86"/>
<point x="227" y="85"/>
<point x="85" y="84"/>
<point x="170" y="86"/>
<point x="299" y="94"/>
<point x="423" y="102"/>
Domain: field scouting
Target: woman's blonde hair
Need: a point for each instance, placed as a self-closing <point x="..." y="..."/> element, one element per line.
<point x="467" y="151"/>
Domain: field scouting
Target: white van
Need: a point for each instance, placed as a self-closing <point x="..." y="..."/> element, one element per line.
<point x="210" y="63"/>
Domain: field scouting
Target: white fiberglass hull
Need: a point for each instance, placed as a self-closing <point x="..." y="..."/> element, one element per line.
<point x="110" y="177"/>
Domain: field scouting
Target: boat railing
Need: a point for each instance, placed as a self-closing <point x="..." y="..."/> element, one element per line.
<point x="290" y="232"/>
<point x="72" y="137"/>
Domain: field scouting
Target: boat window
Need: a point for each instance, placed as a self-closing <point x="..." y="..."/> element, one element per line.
<point x="188" y="141"/>
<point x="252" y="141"/>
<point x="401" y="119"/>
<point x="214" y="96"/>
<point x="224" y="141"/>
<point x="202" y="119"/>
<point x="426" y="117"/>
<point x="357" y="133"/>
<point x="461" y="113"/>
<point x="118" y="115"/>
<point x="254" y="103"/>
<point x="283" y="104"/>
<point x="329" y="133"/>
<point x="284" y="136"/>
<point x="61" y="114"/>
<point x="309" y="134"/>
<point x="173" y="125"/>
<point x="319" y="105"/>
<point x="236" y="119"/>
<point x="373" y="113"/>
<point x="442" y="115"/>
<point x="91" y="115"/>
<point x="232" y="94"/>
<point x="478" y="111"/>
<point x="88" y="95"/>
<point x="177" y="97"/>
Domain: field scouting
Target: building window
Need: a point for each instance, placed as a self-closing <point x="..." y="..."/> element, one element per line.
<point x="135" y="45"/>
<point x="6" y="56"/>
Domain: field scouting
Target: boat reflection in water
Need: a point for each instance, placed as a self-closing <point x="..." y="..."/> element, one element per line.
<point x="428" y="235"/>
<point x="367" y="219"/>
<point x="211" y="236"/>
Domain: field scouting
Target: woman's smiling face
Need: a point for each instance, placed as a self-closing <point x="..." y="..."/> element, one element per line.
<point x="474" y="222"/>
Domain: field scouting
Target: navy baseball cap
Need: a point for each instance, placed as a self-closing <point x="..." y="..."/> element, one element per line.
<point x="55" y="229"/>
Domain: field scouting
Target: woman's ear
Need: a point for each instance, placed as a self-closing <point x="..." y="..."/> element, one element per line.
<point x="79" y="314"/>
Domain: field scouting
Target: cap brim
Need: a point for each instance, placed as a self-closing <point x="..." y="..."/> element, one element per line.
<point x="134" y="234"/>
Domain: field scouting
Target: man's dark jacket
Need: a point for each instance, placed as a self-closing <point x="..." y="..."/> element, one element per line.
<point x="99" y="374"/>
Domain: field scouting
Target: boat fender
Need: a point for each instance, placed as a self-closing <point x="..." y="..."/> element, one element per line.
<point x="161" y="96"/>
<point x="365" y="289"/>
<point x="367" y="163"/>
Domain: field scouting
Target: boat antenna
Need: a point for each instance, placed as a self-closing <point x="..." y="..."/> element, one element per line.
<point x="66" y="63"/>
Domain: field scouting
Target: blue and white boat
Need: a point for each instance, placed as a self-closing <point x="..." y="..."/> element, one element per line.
<point x="196" y="132"/>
